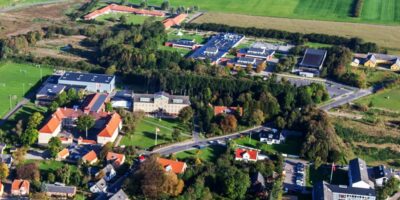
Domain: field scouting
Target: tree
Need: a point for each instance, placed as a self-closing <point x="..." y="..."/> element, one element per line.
<point x="72" y="94"/>
<point x="233" y="183"/>
<point x="35" y="120"/>
<point x="112" y="69"/>
<point x="165" y="5"/>
<point x="228" y="124"/>
<point x="109" y="107"/>
<point x="55" y="146"/>
<point x="3" y="171"/>
<point x="261" y="67"/>
<point x="105" y="149"/>
<point x="257" y="117"/>
<point x="29" y="137"/>
<point x="176" y="134"/>
<point x="19" y="155"/>
<point x="62" y="98"/>
<point x="51" y="177"/>
<point x="84" y="123"/>
<point x="186" y="114"/>
<point x="53" y="106"/>
<point x="63" y="174"/>
<point x="280" y="122"/>
<point x="28" y="171"/>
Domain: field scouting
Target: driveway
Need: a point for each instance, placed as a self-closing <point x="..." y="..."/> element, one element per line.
<point x="290" y="176"/>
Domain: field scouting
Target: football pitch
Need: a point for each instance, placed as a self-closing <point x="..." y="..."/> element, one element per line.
<point x="16" y="80"/>
<point x="374" y="11"/>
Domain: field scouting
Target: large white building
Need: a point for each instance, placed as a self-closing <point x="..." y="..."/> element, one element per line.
<point x="160" y="102"/>
<point x="91" y="82"/>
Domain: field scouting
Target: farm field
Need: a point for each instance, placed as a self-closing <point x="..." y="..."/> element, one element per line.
<point x="16" y="80"/>
<point x="387" y="99"/>
<point x="144" y="135"/>
<point x="385" y="36"/>
<point x="374" y="11"/>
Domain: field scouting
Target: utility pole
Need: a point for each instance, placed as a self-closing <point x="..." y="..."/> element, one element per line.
<point x="23" y="89"/>
<point x="10" y="102"/>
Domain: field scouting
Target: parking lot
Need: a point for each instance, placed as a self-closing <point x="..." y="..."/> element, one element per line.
<point x="291" y="183"/>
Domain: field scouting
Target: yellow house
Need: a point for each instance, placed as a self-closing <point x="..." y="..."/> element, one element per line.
<point x="373" y="59"/>
<point x="396" y="65"/>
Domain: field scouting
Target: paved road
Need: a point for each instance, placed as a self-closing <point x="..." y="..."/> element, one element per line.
<point x="183" y="146"/>
<point x="347" y="98"/>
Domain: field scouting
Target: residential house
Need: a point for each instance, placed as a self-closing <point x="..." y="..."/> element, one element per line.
<point x="358" y="174"/>
<point x="20" y="187"/>
<point x="99" y="187"/>
<point x="120" y="195"/>
<point x="312" y="61"/>
<point x="160" y="102"/>
<point x="271" y="136"/>
<point x="172" y="166"/>
<point x="242" y="154"/>
<point x="91" y="82"/>
<point x="115" y="159"/>
<point x="380" y="174"/>
<point x="227" y="110"/>
<point x="107" y="173"/>
<point x="325" y="191"/>
<point x="258" y="184"/>
<point x="90" y="158"/>
<point x="1" y="189"/>
<point x="58" y="190"/>
<point x="114" y="8"/>
<point x="63" y="154"/>
<point x="6" y="159"/>
<point x="174" y="21"/>
<point x="375" y="59"/>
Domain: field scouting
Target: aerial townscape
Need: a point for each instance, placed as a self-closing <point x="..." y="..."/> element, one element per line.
<point x="200" y="100"/>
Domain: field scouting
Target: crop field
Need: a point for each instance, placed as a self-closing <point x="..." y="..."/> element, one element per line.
<point x="16" y="80"/>
<point x="385" y="36"/>
<point x="374" y="11"/>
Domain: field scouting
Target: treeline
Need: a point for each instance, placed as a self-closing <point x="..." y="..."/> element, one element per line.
<point x="355" y="44"/>
<point x="357" y="8"/>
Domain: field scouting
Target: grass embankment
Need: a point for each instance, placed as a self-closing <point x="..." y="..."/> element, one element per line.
<point x="210" y="154"/>
<point x="144" y="135"/>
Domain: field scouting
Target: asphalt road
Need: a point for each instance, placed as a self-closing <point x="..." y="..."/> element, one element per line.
<point x="347" y="98"/>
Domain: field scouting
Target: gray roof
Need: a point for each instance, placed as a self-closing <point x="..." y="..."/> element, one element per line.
<point x="101" y="184"/>
<point x="120" y="195"/>
<point x="324" y="191"/>
<point x="258" y="178"/>
<point x="86" y="77"/>
<point x="51" y="89"/>
<point x="270" y="133"/>
<point x="99" y="102"/>
<point x="358" y="171"/>
<point x="246" y="60"/>
<point x="107" y="169"/>
<point x="5" y="158"/>
<point x="58" y="188"/>
<point x="313" y="58"/>
<point x="173" y="99"/>
<point x="2" y="147"/>
<point x="380" y="172"/>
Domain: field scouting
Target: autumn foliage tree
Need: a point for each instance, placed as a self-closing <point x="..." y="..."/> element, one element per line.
<point x="228" y="123"/>
<point x="29" y="171"/>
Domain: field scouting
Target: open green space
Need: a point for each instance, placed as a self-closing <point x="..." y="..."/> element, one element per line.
<point x="131" y="18"/>
<point x="16" y="80"/>
<point x="374" y="11"/>
<point x="292" y="145"/>
<point x="181" y="51"/>
<point x="180" y="34"/>
<point x="22" y="114"/>
<point x="144" y="135"/>
<point x="376" y="76"/>
<point x="8" y="3"/>
<point x="50" y="165"/>
<point x="387" y="99"/>
<point x="210" y="154"/>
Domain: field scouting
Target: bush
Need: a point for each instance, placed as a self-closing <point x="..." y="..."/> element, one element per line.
<point x="357" y="8"/>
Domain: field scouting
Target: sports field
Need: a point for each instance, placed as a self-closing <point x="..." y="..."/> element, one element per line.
<point x="16" y="80"/>
<point x="374" y="11"/>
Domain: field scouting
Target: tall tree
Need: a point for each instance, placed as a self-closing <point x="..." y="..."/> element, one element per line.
<point x="4" y="172"/>
<point x="185" y="114"/>
<point x="29" y="137"/>
<point x="229" y="124"/>
<point x="55" y="146"/>
<point x="84" y="123"/>
<point x="233" y="183"/>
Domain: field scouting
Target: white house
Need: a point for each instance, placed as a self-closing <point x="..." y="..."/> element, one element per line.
<point x="99" y="187"/>
<point x="108" y="172"/>
<point x="271" y="136"/>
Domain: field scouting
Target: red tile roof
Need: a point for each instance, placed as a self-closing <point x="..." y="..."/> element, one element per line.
<point x="176" y="166"/>
<point x="83" y="141"/>
<point x="111" y="126"/>
<point x="90" y="157"/>
<point x="168" y="23"/>
<point x="1" y="187"/>
<point x="18" y="184"/>
<point x="119" y="8"/>
<point x="63" y="153"/>
<point x="224" y="109"/>
<point x="252" y="153"/>
<point x="116" y="158"/>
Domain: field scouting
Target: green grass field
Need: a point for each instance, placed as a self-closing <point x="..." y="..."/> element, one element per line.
<point x="388" y="99"/>
<point x="144" y="136"/>
<point x="50" y="165"/>
<point x="210" y="154"/>
<point x="131" y="19"/>
<point x="7" y="3"/>
<point x="290" y="146"/>
<point x="22" y="114"/>
<point x="16" y="80"/>
<point x="374" y="11"/>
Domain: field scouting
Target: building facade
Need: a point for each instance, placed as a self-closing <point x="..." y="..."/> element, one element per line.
<point x="160" y="102"/>
<point x="91" y="82"/>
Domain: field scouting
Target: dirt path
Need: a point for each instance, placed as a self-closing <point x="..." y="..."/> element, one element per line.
<point x="346" y="115"/>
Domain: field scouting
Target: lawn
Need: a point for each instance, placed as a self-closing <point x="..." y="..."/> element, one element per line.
<point x="16" y="80"/>
<point x="131" y="18"/>
<point x="50" y="165"/>
<point x="339" y="176"/>
<point x="292" y="145"/>
<point x="181" y="51"/>
<point x="376" y="76"/>
<point x="173" y="35"/>
<point x="388" y="99"/>
<point x="7" y="3"/>
<point x="23" y="113"/>
<point x="210" y="154"/>
<point x="144" y="136"/>
<point x="374" y="11"/>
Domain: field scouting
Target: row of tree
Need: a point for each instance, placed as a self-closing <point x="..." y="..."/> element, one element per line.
<point x="357" y="8"/>
<point x="355" y="44"/>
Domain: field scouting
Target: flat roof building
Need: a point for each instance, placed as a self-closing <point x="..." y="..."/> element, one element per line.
<point x="313" y="60"/>
<point x="325" y="191"/>
<point x="92" y="82"/>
